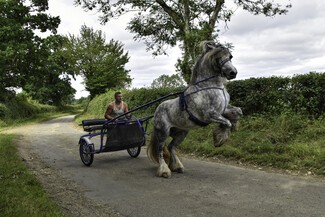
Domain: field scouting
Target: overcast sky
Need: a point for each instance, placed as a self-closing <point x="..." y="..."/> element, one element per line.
<point x="282" y="46"/>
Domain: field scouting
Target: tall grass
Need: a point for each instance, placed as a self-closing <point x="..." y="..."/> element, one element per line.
<point x="286" y="141"/>
<point x="22" y="109"/>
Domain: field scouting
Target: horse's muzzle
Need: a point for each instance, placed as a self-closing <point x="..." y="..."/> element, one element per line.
<point x="232" y="75"/>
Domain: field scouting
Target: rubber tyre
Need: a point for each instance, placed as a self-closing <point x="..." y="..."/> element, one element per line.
<point x="86" y="153"/>
<point x="134" y="152"/>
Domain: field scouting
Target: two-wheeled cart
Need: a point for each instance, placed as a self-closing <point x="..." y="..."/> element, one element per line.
<point x="116" y="134"/>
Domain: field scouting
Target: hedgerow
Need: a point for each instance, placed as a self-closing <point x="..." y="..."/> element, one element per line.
<point x="302" y="94"/>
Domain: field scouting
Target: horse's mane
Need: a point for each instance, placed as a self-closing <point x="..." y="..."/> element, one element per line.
<point x="205" y="47"/>
<point x="196" y="69"/>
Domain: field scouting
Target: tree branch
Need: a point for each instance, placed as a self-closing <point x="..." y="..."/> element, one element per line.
<point x="174" y="15"/>
<point x="214" y="16"/>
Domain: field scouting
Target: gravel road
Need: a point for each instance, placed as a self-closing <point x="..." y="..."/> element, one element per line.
<point x="118" y="185"/>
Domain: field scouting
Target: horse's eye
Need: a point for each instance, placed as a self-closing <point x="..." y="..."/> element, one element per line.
<point x="230" y="57"/>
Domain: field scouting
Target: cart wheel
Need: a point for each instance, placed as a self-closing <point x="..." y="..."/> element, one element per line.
<point x="86" y="153"/>
<point x="134" y="152"/>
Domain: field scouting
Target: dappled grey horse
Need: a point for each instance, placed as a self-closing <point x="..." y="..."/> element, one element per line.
<point x="204" y="101"/>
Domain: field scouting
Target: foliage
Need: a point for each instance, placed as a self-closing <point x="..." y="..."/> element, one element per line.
<point x="168" y="81"/>
<point x="20" y="48"/>
<point x="23" y="195"/>
<point x="139" y="97"/>
<point x="102" y="65"/>
<point x="22" y="108"/>
<point x="97" y="106"/>
<point x="302" y="94"/>
<point x="82" y="102"/>
<point x="307" y="94"/>
<point x="134" y="98"/>
<point x="50" y="84"/>
<point x="164" y="23"/>
<point x="260" y="95"/>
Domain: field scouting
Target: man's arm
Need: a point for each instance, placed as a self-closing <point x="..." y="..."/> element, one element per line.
<point x="109" y="112"/>
<point x="126" y="109"/>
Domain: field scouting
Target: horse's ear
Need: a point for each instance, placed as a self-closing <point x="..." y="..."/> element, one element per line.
<point x="208" y="45"/>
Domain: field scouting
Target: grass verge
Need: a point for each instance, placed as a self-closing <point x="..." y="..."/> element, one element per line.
<point x="21" y="194"/>
<point x="287" y="141"/>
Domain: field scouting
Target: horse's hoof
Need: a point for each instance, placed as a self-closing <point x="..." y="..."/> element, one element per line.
<point x="166" y="175"/>
<point x="178" y="170"/>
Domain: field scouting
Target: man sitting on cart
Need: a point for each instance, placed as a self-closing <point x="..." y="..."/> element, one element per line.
<point x="116" y="108"/>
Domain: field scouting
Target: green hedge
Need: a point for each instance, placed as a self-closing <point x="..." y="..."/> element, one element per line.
<point x="138" y="97"/>
<point x="303" y="94"/>
<point x="134" y="98"/>
<point x="308" y="94"/>
<point x="21" y="107"/>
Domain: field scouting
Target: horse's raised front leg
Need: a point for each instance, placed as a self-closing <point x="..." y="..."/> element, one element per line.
<point x="178" y="136"/>
<point x="233" y="114"/>
<point x="222" y="132"/>
<point x="218" y="118"/>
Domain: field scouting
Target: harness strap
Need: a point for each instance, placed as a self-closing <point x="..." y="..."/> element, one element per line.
<point x="183" y="106"/>
<point x="205" y="79"/>
<point x="196" y="120"/>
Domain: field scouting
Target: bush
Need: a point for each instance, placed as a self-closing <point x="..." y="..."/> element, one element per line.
<point x="303" y="94"/>
<point x="3" y="110"/>
<point x="307" y="94"/>
<point x="21" y="107"/>
<point x="260" y="95"/>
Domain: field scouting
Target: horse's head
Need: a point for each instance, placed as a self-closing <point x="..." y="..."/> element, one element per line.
<point x="218" y="58"/>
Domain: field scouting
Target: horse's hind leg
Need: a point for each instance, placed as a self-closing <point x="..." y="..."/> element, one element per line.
<point x="163" y="170"/>
<point x="178" y="136"/>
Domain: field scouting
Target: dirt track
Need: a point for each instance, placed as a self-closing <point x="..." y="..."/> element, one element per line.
<point x="118" y="185"/>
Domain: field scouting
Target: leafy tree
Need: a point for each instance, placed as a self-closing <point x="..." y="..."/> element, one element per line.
<point x="19" y="45"/>
<point x="166" y="81"/>
<point x="50" y="84"/>
<point x="163" y="23"/>
<point x="102" y="65"/>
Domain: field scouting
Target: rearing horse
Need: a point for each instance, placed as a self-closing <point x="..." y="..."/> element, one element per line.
<point x="203" y="102"/>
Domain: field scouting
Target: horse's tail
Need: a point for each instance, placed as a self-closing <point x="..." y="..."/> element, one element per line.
<point x="152" y="148"/>
<point x="152" y="151"/>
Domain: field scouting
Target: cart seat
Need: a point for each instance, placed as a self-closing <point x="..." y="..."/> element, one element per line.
<point x="93" y="124"/>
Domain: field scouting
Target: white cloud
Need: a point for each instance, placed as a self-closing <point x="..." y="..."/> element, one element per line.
<point x="284" y="45"/>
